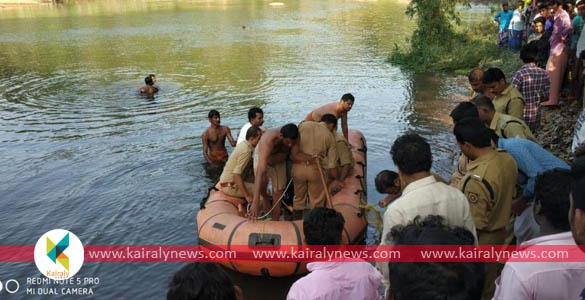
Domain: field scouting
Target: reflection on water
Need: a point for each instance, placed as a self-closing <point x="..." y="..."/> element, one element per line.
<point x="82" y="150"/>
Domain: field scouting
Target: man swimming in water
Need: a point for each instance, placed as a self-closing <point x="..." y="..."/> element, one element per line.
<point x="149" y="88"/>
<point x="337" y="109"/>
<point x="214" y="139"/>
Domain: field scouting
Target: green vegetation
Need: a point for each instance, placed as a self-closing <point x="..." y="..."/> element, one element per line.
<point x="441" y="43"/>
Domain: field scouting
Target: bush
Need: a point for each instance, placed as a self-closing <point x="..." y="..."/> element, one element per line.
<point x="448" y="46"/>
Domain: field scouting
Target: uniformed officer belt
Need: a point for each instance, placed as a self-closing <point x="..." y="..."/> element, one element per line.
<point x="307" y="163"/>
<point x="227" y="184"/>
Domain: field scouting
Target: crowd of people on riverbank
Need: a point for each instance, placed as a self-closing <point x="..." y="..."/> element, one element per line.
<point x="555" y="30"/>
<point x="506" y="189"/>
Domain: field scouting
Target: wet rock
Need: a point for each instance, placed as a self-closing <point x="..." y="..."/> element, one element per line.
<point x="556" y="128"/>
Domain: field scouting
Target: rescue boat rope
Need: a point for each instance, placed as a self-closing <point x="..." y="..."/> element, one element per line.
<point x="276" y="203"/>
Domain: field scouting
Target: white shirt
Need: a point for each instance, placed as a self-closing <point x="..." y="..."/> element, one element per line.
<point x="242" y="134"/>
<point x="517" y="23"/>
<point x="426" y="197"/>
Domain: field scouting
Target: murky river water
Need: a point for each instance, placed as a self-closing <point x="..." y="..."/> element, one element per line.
<point x="81" y="150"/>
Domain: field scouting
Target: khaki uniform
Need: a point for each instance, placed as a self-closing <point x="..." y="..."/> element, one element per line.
<point x="460" y="171"/>
<point x="345" y="157"/>
<point x="240" y="162"/>
<point x="510" y="102"/>
<point x="507" y="126"/>
<point x="490" y="185"/>
<point x="276" y="173"/>
<point x="315" y="139"/>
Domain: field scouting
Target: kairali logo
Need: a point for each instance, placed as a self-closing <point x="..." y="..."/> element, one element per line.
<point x="59" y="254"/>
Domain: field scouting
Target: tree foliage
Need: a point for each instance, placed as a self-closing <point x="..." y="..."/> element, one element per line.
<point x="434" y="19"/>
<point x="440" y="44"/>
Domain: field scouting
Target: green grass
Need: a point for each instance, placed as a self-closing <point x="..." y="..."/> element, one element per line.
<point x="472" y="45"/>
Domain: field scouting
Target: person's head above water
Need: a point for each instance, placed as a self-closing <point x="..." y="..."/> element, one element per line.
<point x="203" y="281"/>
<point x="387" y="181"/>
<point x="323" y="226"/>
<point x="150" y="79"/>
<point x="348" y="101"/>
<point x="462" y="111"/>
<point x="289" y="134"/>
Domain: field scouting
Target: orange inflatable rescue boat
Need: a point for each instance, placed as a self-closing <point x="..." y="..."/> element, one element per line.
<point x="218" y="222"/>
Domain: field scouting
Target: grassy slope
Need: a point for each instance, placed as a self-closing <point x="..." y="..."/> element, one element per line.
<point x="473" y="45"/>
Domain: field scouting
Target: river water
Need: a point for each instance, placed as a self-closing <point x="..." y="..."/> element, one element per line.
<point x="81" y="150"/>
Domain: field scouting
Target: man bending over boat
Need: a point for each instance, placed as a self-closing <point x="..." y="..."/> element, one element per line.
<point x="270" y="163"/>
<point x="337" y="109"/>
<point x="214" y="139"/>
<point x="314" y="161"/>
<point x="237" y="176"/>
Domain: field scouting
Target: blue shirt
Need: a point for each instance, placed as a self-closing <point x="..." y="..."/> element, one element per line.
<point x="577" y="27"/>
<point x="532" y="160"/>
<point x="504" y="19"/>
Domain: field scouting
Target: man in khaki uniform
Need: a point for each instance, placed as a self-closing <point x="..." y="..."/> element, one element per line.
<point x="345" y="161"/>
<point x="489" y="185"/>
<point x="508" y="100"/>
<point x="236" y="173"/>
<point x="462" y="111"/>
<point x="316" y="141"/>
<point x="505" y="126"/>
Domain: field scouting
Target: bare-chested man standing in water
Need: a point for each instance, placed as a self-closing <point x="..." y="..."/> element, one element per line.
<point x="338" y="109"/>
<point x="214" y="139"/>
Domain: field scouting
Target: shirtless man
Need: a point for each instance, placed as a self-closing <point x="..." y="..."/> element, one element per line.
<point x="338" y="109"/>
<point x="270" y="163"/>
<point x="149" y="88"/>
<point x="214" y="139"/>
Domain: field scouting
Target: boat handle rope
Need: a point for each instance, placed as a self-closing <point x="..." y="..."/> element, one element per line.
<point x="275" y="203"/>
